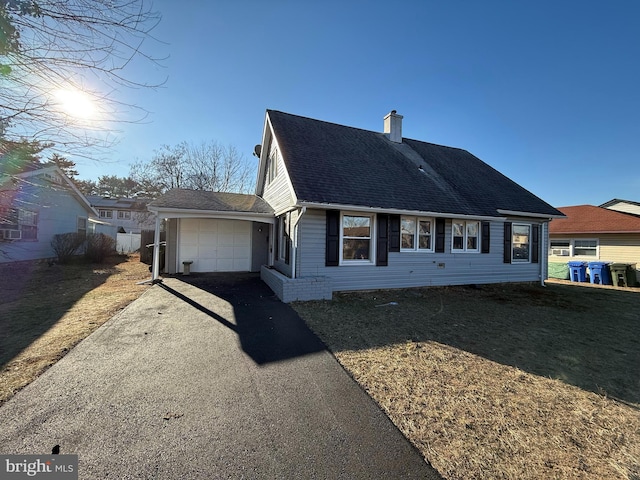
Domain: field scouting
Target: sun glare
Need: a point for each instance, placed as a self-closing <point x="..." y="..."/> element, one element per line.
<point x="76" y="103"/>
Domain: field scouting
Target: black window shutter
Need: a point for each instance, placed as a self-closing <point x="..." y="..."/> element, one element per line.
<point x="440" y="234"/>
<point x="486" y="237"/>
<point x="276" y="239"/>
<point x="507" y="242"/>
<point x="287" y="249"/>
<point x="394" y="233"/>
<point x="332" y="254"/>
<point x="535" y="243"/>
<point x="382" y="245"/>
<point x="287" y="239"/>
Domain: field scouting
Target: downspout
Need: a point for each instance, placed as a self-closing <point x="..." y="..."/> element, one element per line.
<point x="156" y="252"/>
<point x="544" y="260"/>
<point x="294" y="253"/>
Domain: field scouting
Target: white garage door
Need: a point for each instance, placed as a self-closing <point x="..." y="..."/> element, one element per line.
<point x="215" y="245"/>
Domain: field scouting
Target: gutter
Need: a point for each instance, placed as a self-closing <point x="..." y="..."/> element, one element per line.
<point x="515" y="213"/>
<point x="544" y="261"/>
<point x="360" y="208"/>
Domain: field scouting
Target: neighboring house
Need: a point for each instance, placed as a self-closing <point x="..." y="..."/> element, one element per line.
<point x="34" y="206"/>
<point x="355" y="209"/>
<point x="625" y="206"/>
<point x="591" y="233"/>
<point x="128" y="215"/>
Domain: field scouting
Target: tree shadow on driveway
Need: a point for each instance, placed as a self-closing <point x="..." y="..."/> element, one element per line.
<point x="268" y="330"/>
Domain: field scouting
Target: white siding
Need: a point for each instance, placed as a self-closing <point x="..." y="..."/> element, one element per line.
<point x="278" y="193"/>
<point x="626" y="208"/>
<point x="410" y="269"/>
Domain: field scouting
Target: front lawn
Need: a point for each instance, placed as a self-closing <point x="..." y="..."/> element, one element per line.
<point x="504" y="381"/>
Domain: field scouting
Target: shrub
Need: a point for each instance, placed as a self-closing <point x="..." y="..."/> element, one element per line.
<point x="66" y="245"/>
<point x="99" y="247"/>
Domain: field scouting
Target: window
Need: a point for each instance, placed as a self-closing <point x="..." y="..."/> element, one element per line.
<point x="28" y="223"/>
<point x="105" y="213"/>
<point x="586" y="248"/>
<point x="415" y="234"/>
<point x="465" y="236"/>
<point x="521" y="241"/>
<point x="357" y="235"/>
<point x="274" y="157"/>
<point x="82" y="225"/>
<point x="560" y="248"/>
<point x="124" y="215"/>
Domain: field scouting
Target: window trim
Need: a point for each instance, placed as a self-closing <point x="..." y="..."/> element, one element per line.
<point x="416" y="234"/>
<point x="28" y="221"/>
<point x="465" y="236"/>
<point x="108" y="214"/>
<point x="122" y="215"/>
<point x="372" y="239"/>
<point x="273" y="158"/>
<point x="596" y="248"/>
<point x="572" y="247"/>
<point x="79" y="228"/>
<point x="529" y="243"/>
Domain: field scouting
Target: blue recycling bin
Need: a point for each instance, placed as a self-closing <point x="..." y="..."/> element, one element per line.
<point x="599" y="273"/>
<point x="578" y="271"/>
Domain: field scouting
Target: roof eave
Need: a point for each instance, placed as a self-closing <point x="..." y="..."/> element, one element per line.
<point x="515" y="213"/>
<point x="597" y="232"/>
<point x="173" y="212"/>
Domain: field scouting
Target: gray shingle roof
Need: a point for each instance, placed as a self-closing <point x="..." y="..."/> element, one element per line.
<point x="336" y="164"/>
<point x="179" y="198"/>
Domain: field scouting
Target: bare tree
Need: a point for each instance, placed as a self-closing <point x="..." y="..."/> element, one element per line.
<point x="59" y="59"/>
<point x="205" y="166"/>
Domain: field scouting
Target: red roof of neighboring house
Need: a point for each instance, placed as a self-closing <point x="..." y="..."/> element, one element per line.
<point x="590" y="219"/>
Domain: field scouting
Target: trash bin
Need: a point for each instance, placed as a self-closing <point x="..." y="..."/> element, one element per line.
<point x="622" y="274"/>
<point x="161" y="257"/>
<point x="599" y="273"/>
<point x="578" y="271"/>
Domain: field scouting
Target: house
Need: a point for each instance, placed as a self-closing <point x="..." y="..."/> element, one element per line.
<point x="34" y="206"/>
<point x="343" y="208"/>
<point x="591" y="233"/>
<point x="128" y="215"/>
<point x="626" y="206"/>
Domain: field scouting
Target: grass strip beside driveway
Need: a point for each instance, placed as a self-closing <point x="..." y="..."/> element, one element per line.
<point x="47" y="309"/>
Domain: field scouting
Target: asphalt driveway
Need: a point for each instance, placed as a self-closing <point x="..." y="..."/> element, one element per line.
<point x="214" y="378"/>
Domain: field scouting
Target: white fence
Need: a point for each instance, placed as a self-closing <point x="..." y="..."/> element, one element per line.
<point x="128" y="242"/>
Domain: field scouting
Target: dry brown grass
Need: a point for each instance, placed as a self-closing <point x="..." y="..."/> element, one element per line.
<point x="507" y="381"/>
<point x="46" y="310"/>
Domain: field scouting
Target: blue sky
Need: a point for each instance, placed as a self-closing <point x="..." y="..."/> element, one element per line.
<point x="546" y="92"/>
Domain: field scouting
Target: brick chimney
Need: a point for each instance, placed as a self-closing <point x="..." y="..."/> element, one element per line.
<point x="393" y="126"/>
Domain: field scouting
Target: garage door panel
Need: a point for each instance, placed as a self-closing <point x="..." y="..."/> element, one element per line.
<point x="207" y="238"/>
<point x="241" y="265"/>
<point x="226" y="239"/>
<point x="215" y="245"/>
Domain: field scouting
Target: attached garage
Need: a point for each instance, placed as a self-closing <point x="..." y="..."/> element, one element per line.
<point x="215" y="245"/>
<point x="216" y="232"/>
